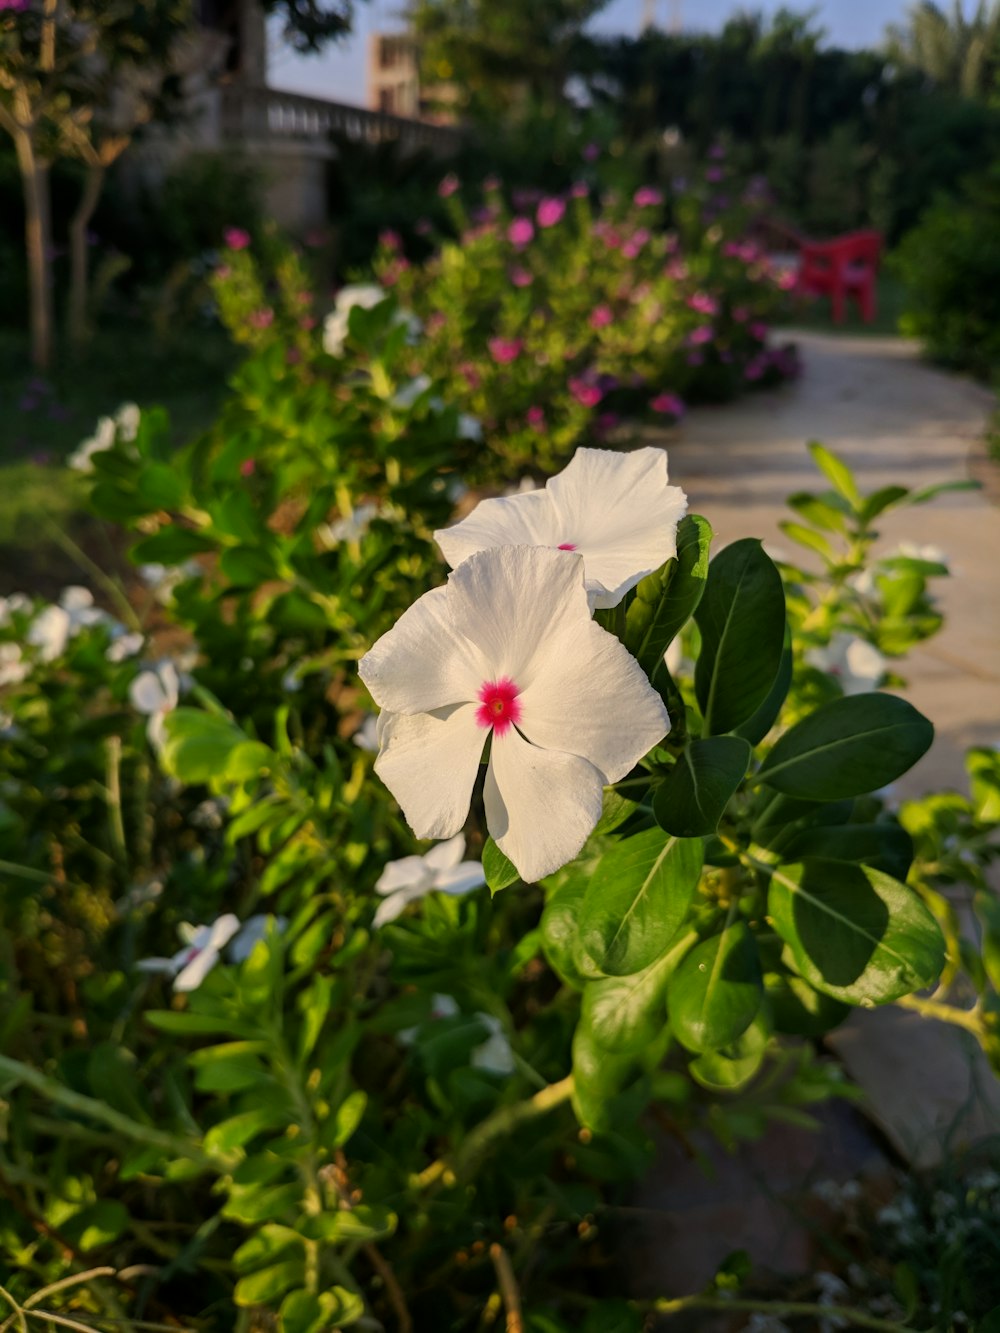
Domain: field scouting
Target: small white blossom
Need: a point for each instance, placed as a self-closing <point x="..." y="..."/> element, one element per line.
<point x="163" y="579"/>
<point x="350" y="529"/>
<point x="203" y="947"/>
<point x="103" y="439"/>
<point x="15" y="604"/>
<point x="407" y="394"/>
<point x="367" y="295"/>
<point x="508" y="651"/>
<point x="441" y="870"/>
<point x="127" y="421"/>
<point x="856" y="664"/>
<point x="366" y="736"/>
<point x="495" y="1055"/>
<point x="615" y="510"/>
<point x="469" y="427"/>
<point x="933" y="555"/>
<point x="253" y="930"/>
<point x="124" y="646"/>
<point x="155" y="693"/>
<point x="13" y="667"/>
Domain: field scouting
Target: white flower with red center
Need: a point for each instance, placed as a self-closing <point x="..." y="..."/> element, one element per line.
<point x="441" y="870"/>
<point x="616" y="510"/>
<point x="202" y="949"/>
<point x="857" y="665"/>
<point x="507" y="651"/>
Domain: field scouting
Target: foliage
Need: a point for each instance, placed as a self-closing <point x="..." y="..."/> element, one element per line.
<point x="950" y="265"/>
<point x="957" y="51"/>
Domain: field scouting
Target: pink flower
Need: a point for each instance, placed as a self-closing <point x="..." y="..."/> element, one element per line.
<point x="787" y="280"/>
<point x="701" y="335"/>
<point x="667" y="404"/>
<point x="536" y="418"/>
<point x="703" y="303"/>
<point x="17" y="6"/>
<point x="579" y="190"/>
<point x="223" y="272"/>
<point x="591" y="152"/>
<point x="248" y="467"/>
<point x="676" y="269"/>
<point x="261" y="319"/>
<point x="754" y="368"/>
<point x="601" y="316"/>
<point x="741" y="314"/>
<point x="714" y="174"/>
<point x="390" y="240"/>
<point x="520" y="277"/>
<point x="606" y="422"/>
<point x="470" y="374"/>
<point x="758" y="329"/>
<point x="448" y="186"/>
<point x="647" y="197"/>
<point x="585" y="392"/>
<point x="236" y="238"/>
<point x="504" y="350"/>
<point x="550" y="212"/>
<point x="520" y="232"/>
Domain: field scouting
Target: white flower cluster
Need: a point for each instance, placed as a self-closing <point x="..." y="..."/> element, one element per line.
<point x="508" y="652"/>
<point x="367" y="295"/>
<point x="493" y="1056"/>
<point x="124" y="425"/>
<point x="52" y="627"/>
<point x="203" y="946"/>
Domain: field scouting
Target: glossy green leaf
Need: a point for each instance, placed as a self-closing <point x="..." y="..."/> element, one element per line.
<point x="598" y="1076"/>
<point x="808" y="537"/>
<point x="308" y="1312"/>
<point x="848" y="747"/>
<point x="880" y="500"/>
<point x="733" y="1066"/>
<point x="363" y="1222"/>
<point x="885" y="846"/>
<point x="198" y="744"/>
<point x="238" y="1130"/>
<point x="799" y="1009"/>
<point x="715" y="993"/>
<point x="500" y="872"/>
<point x="560" y="927"/>
<point x="837" y="473"/>
<point x="760" y="722"/>
<point x="853" y="932"/>
<point x="637" y="897"/>
<point x="348" y="1117"/>
<point x="162" y="486"/>
<point x="742" y="623"/>
<point x="666" y="599"/>
<point x="690" y="801"/>
<point x="626" y="1014"/>
<point x="265" y="1247"/>
<point x="268" y="1285"/>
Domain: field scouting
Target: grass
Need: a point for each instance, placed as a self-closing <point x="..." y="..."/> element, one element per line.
<point x="44" y="417"/>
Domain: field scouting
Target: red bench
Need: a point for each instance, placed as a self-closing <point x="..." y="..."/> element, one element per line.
<point x="845" y="266"/>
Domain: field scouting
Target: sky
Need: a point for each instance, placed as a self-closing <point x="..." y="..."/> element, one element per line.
<point x="339" y="74"/>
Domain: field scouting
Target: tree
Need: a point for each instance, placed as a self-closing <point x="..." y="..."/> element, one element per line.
<point x="500" y="56"/>
<point x="959" y="54"/>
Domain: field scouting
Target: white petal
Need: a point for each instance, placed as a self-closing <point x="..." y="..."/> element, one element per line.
<point x="423" y="662"/>
<point x="446" y="855"/>
<point x="430" y="763"/>
<point x="164" y="965"/>
<point x="516" y="604"/>
<point x="520" y="520"/>
<point x="463" y="878"/>
<point x="147" y="694"/>
<point x="125" y="646"/>
<point x="222" y="930"/>
<point x="253" y="930"/>
<point x="49" y="632"/>
<point x="591" y="698"/>
<point x="76" y="598"/>
<point x="444" y="1006"/>
<point x="494" y="1056"/>
<point x="197" y="970"/>
<point x="541" y="805"/>
<point x="409" y="872"/>
<point x="621" y="515"/>
<point x="391" y="907"/>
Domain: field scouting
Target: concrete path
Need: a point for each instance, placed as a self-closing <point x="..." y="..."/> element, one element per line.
<point x="893" y="419"/>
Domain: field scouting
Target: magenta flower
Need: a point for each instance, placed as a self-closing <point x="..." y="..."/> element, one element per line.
<point x="703" y="303"/>
<point x="390" y="240"/>
<point x="536" y="417"/>
<point x="695" y="359"/>
<point x="448" y="185"/>
<point x="261" y="319"/>
<point x="591" y="152"/>
<point x="504" y="350"/>
<point x="787" y="280"/>
<point x="741" y="314"/>
<point x="521" y="277"/>
<point x="701" y="335"/>
<point x="647" y="197"/>
<point x="676" y="269"/>
<point x="17" y="6"/>
<point x="714" y="174"/>
<point x="606" y="422"/>
<point x="550" y="212"/>
<point x="758" y="329"/>
<point x="601" y="316"/>
<point x="236" y="238"/>
<point x="755" y="368"/>
<point x="586" y="392"/>
<point x="521" y="232"/>
<point x="579" y="190"/>
<point x="667" y="404"/>
<point x="248" y="467"/>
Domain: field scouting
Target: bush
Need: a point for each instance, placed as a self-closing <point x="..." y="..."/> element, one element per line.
<point x="950" y="264"/>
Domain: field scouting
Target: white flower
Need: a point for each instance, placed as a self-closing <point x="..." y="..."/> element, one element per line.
<point x="408" y="394"/>
<point x="364" y="294"/>
<point x="348" y="529"/>
<point x="13" y="668"/>
<point x="155" y="693"/>
<point x="508" y="650"/>
<point x="124" y="646"/>
<point x="933" y="555"/>
<point x="103" y="438"/>
<point x="615" y="509"/>
<point x="495" y="1055"/>
<point x="857" y="665"/>
<point x="469" y="427"/>
<point x="441" y="870"/>
<point x="12" y="605"/>
<point x="203" y="947"/>
<point x="366" y="736"/>
<point x="127" y="421"/>
<point x="163" y="579"/>
<point x="253" y="930"/>
<point x="49" y="633"/>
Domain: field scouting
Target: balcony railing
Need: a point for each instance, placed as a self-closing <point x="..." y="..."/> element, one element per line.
<point x="265" y="113"/>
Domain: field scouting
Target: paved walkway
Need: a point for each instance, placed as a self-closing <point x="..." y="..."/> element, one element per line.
<point x="893" y="419"/>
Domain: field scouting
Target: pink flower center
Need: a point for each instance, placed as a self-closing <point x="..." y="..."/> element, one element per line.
<point x="567" y="546"/>
<point x="498" y="704"/>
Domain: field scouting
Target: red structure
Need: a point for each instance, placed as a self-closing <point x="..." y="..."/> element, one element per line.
<point x="846" y="266"/>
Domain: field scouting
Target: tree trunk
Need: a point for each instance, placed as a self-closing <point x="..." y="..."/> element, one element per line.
<point x="79" y="282"/>
<point x="38" y="245"/>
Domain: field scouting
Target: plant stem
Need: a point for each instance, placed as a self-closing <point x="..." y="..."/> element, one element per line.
<point x="857" y="1317"/>
<point x="945" y="1013"/>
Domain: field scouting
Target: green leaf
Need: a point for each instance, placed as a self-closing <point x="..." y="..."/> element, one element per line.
<point x="799" y="1009"/>
<point x="198" y="744"/>
<point x="814" y="541"/>
<point x="837" y="473"/>
<point x="560" y="928"/>
<point x="880" y="500"/>
<point x="98" y="1224"/>
<point x="666" y="599"/>
<point x="716" y="992"/>
<point x="637" y="897"/>
<point x="162" y="486"/>
<point x="886" y="846"/>
<point x="499" y="871"/>
<point x="756" y="727"/>
<point x="246" y="566"/>
<point x="690" y="801"/>
<point x="742" y="623"/>
<point x="348" y="1117"/>
<point x="363" y="1222"/>
<point x="268" y="1284"/>
<point x="265" y="1246"/>
<point x="855" y="933"/>
<point x="626" y="1014"/>
<point x="598" y="1077"/>
<point x="230" y="1075"/>
<point x="238" y="1130"/>
<point x="307" y="1312"/>
<point x="828" y="512"/>
<point x="733" y="1066"/>
<point x="172" y="545"/>
<point x="848" y="747"/>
